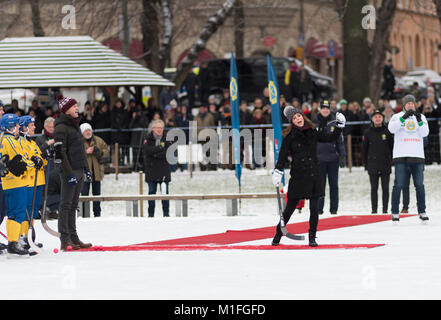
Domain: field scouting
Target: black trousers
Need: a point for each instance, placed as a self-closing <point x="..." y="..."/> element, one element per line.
<point x="313" y="214"/>
<point x="96" y="191"/>
<point x="69" y="198"/>
<point x="374" y="179"/>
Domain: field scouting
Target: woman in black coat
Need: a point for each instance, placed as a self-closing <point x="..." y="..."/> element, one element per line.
<point x="300" y="144"/>
<point x="377" y="148"/>
<point x="156" y="167"/>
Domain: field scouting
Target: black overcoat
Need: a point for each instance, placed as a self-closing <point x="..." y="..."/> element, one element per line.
<point x="377" y="147"/>
<point x="156" y="166"/>
<point x="301" y="147"/>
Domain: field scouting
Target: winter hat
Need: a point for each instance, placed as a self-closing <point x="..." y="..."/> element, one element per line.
<point x="85" y="126"/>
<point x="367" y="99"/>
<point x="290" y="111"/>
<point x="325" y="104"/>
<point x="65" y="103"/>
<point x="377" y="112"/>
<point x="343" y="101"/>
<point x="408" y="98"/>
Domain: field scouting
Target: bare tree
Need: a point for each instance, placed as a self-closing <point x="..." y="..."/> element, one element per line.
<point x="384" y="18"/>
<point x="166" y="42"/>
<point x="355" y="49"/>
<point x="212" y="25"/>
<point x="355" y="44"/>
<point x="36" y="19"/>
<point x="239" y="29"/>
<point x="150" y="34"/>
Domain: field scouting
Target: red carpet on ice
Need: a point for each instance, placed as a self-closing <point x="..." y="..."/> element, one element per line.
<point x="224" y="241"/>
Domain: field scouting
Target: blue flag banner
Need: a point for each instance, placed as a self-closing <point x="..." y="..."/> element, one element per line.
<point x="276" y="115"/>
<point x="235" y="117"/>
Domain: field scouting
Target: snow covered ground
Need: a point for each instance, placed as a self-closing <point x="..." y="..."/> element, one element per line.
<point x="407" y="267"/>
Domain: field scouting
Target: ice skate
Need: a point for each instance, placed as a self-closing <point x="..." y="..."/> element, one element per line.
<point x="16" y="251"/>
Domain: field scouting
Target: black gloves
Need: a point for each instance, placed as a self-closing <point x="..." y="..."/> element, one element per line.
<point x="16" y="166"/>
<point x="3" y="168"/>
<point x="418" y="116"/>
<point x="408" y="114"/>
<point x="37" y="161"/>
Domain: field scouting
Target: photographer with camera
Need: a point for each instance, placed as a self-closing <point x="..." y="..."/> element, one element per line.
<point x="46" y="144"/>
<point x="97" y="152"/>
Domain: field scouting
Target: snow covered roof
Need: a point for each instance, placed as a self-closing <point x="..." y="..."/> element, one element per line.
<point x="79" y="61"/>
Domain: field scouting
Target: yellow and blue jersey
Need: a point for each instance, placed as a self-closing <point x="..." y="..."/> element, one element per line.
<point x="11" y="146"/>
<point x="30" y="149"/>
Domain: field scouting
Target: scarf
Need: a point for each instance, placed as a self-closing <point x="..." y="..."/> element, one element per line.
<point x="157" y="139"/>
<point x="48" y="134"/>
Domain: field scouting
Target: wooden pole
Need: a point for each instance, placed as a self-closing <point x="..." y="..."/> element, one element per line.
<point x="190" y="165"/>
<point x="350" y="152"/>
<point x="116" y="160"/>
<point x="141" y="203"/>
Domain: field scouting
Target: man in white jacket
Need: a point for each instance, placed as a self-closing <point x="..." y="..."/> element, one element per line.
<point x="409" y="128"/>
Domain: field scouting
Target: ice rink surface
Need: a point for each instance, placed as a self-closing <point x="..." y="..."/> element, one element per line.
<point x="407" y="267"/>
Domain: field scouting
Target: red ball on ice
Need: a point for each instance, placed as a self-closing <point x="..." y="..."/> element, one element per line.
<point x="69" y="248"/>
<point x="55" y="250"/>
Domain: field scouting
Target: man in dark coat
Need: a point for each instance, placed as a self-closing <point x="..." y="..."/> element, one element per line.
<point x="101" y="120"/>
<point x="431" y="110"/>
<point x="119" y="120"/>
<point x="303" y="82"/>
<point x="329" y="155"/>
<point x="73" y="169"/>
<point x="138" y="121"/>
<point x="388" y="80"/>
<point x="156" y="167"/>
<point x="377" y="150"/>
<point x="300" y="144"/>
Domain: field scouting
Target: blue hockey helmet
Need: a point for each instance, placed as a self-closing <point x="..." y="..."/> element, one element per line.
<point x="8" y="121"/>
<point x="24" y="121"/>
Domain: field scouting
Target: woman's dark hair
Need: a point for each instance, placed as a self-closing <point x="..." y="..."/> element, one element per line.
<point x="288" y="129"/>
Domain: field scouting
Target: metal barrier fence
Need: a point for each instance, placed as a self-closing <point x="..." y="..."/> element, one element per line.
<point x="129" y="157"/>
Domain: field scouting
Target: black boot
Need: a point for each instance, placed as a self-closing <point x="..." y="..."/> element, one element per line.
<point x="312" y="242"/>
<point x="276" y="239"/>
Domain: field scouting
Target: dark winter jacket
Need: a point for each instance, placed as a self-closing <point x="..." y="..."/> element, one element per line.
<point x="119" y="119"/>
<point x="156" y="167"/>
<point x="138" y="122"/>
<point x="68" y="133"/>
<point x="101" y="120"/>
<point x="377" y="149"/>
<point x="301" y="147"/>
<point x="329" y="151"/>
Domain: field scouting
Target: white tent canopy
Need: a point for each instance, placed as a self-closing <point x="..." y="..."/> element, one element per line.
<point x="67" y="62"/>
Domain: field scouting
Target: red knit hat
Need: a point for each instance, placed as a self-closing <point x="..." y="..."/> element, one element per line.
<point x="65" y="103"/>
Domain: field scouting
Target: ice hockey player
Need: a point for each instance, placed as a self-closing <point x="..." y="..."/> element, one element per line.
<point x="300" y="143"/>
<point x="31" y="153"/>
<point x="3" y="172"/>
<point x="14" y="183"/>
<point x="74" y="168"/>
<point x="409" y="128"/>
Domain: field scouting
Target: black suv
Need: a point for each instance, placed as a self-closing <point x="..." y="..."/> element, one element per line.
<point x="252" y="77"/>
